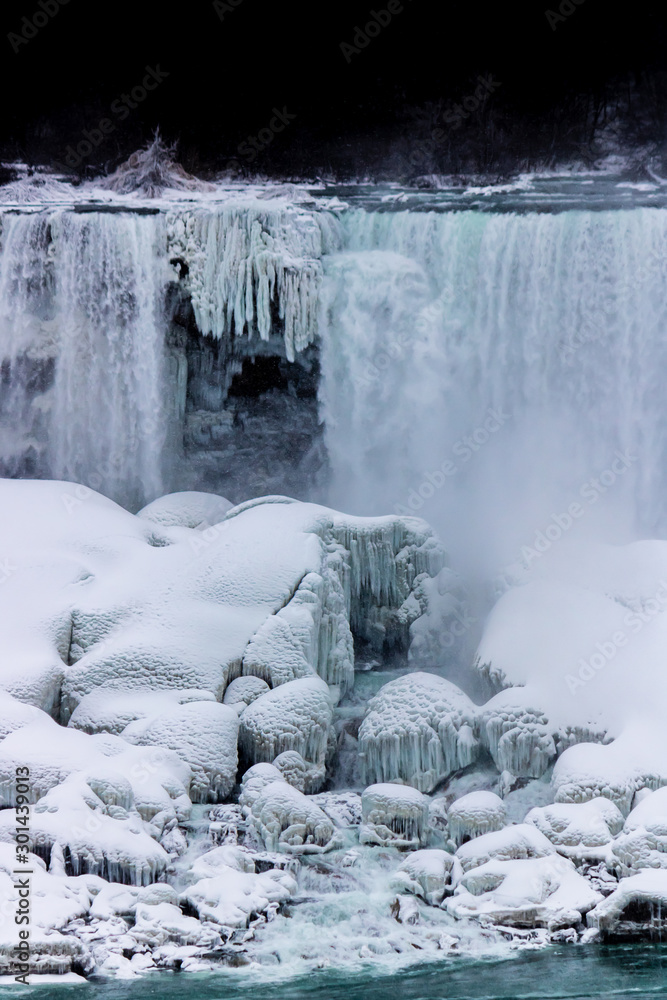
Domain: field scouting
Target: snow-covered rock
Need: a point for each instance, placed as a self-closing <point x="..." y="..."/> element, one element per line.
<point x="204" y="734"/>
<point x="516" y="734"/>
<point x="582" y="830"/>
<point x="431" y="874"/>
<point x="232" y="897"/>
<point x="635" y="909"/>
<point x="393" y="815"/>
<point x="241" y="691"/>
<point x="293" y="768"/>
<point x="286" y="820"/>
<point x="512" y="843"/>
<point x="474" y="814"/>
<point x="187" y="509"/>
<point x="110" y="711"/>
<point x="536" y="892"/>
<point x="643" y="840"/>
<point x="418" y="729"/>
<point x="294" y="716"/>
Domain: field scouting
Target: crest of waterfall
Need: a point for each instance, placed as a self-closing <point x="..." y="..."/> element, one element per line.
<point x="486" y="370"/>
<point x="82" y="338"/>
<point x="246" y="263"/>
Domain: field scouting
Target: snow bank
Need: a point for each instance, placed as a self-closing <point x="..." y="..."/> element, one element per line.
<point x="579" y="830"/>
<point x="188" y="509"/>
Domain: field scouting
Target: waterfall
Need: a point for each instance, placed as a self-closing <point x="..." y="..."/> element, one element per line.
<point x="82" y="338"/>
<point x="487" y="370"/>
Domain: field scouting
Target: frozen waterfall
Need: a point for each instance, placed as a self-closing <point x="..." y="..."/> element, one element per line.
<point x="488" y="370"/>
<point x="82" y="339"/>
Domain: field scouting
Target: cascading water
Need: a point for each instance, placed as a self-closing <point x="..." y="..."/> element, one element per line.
<point x="82" y="336"/>
<point x="486" y="370"/>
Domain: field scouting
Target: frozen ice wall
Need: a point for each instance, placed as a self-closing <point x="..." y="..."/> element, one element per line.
<point x="486" y="370"/>
<point x="82" y="344"/>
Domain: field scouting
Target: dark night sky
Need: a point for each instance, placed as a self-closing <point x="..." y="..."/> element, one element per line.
<point x="225" y="75"/>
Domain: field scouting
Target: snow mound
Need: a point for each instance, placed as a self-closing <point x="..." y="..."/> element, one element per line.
<point x="213" y="863"/>
<point x="512" y="843"/>
<point x="538" y="892"/>
<point x="187" y="509"/>
<point x="294" y="716"/>
<point x="418" y="729"/>
<point x="579" y="830"/>
<point x="430" y="874"/>
<point x="204" y="734"/>
<point x="475" y="814"/>
<point x="286" y="820"/>
<point x="393" y="815"/>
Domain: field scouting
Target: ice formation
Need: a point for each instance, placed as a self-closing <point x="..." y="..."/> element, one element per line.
<point x="634" y="909"/>
<point x="393" y="815"/>
<point x="418" y="729"/>
<point x="431" y="874"/>
<point x="474" y="814"/>
<point x="643" y="840"/>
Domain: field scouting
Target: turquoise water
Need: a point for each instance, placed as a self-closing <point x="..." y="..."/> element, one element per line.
<point x="559" y="973"/>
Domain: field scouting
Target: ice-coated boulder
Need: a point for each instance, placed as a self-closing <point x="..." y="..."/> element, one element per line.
<point x="106" y="710"/>
<point x="516" y="733"/>
<point x="187" y="509"/>
<point x="254" y="781"/>
<point x="418" y="729"/>
<point x="579" y="830"/>
<point x="637" y="908"/>
<point x="293" y="768"/>
<point x="474" y="814"/>
<point x="643" y="840"/>
<point x="431" y="874"/>
<point x="294" y="716"/>
<point x="537" y="892"/>
<point x="204" y="734"/>
<point x="285" y="819"/>
<point x="513" y="842"/>
<point x="243" y="690"/>
<point x="393" y="815"/>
